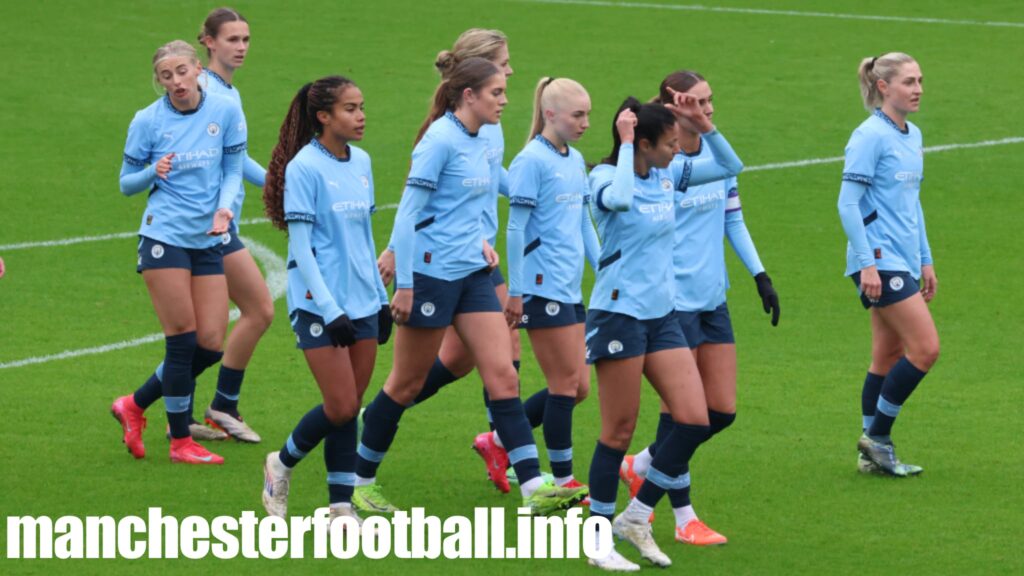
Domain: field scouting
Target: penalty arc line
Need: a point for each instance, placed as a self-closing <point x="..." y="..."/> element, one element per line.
<point x="277" y="281"/>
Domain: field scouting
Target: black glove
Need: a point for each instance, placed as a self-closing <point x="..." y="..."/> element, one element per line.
<point x="769" y="298"/>
<point x="341" y="331"/>
<point x="384" y="324"/>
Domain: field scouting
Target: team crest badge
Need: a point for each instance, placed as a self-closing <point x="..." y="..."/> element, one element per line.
<point x="157" y="251"/>
<point x="896" y="283"/>
<point x="552" y="308"/>
<point x="614" y="347"/>
<point x="428" y="309"/>
<point x="213" y="129"/>
<point x="316" y="330"/>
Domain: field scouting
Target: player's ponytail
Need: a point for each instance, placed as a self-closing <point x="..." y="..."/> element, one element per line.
<point x="299" y="127"/>
<point x="871" y="70"/>
<point x="470" y="73"/>
<point x="551" y="93"/>
<point x="652" y="121"/>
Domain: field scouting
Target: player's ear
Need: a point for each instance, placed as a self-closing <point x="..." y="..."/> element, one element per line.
<point x="323" y="116"/>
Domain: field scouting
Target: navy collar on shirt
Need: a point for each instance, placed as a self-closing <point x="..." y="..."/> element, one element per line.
<point x="218" y="78"/>
<point x="889" y="121"/>
<point x="548" y="143"/>
<point x="451" y="116"/>
<point x="700" y="148"/>
<point x="202" y="98"/>
<point x="316" y="144"/>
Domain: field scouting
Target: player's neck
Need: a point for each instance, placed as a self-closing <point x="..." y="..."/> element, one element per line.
<point x="335" y="144"/>
<point x="468" y="119"/>
<point x="689" y="141"/>
<point x="640" y="166"/>
<point x="900" y="118"/>
<point x="228" y="74"/>
<point x="557" y="141"/>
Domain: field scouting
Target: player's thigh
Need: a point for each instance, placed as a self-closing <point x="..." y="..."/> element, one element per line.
<point x="560" y="352"/>
<point x="717" y="366"/>
<point x="246" y="286"/>
<point x="363" y="356"/>
<point x="454" y="354"/>
<point x="332" y="369"/>
<point x="487" y="337"/>
<point x="886" y="345"/>
<point x="618" y="391"/>
<point x="171" y="294"/>
<point x="911" y="319"/>
<point x="210" y="298"/>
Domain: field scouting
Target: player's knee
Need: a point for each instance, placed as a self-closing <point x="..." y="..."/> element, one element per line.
<point x="926" y="355"/>
<point x="341" y="410"/>
<point x="619" y="432"/>
<point x="211" y="340"/>
<point x="582" y="390"/>
<point x="264" y="316"/>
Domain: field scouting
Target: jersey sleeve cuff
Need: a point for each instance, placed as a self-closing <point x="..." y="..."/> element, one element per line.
<point x="300" y="217"/>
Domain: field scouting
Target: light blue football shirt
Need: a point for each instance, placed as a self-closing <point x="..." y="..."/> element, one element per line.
<point x="337" y="197"/>
<point x="180" y="209"/>
<point x="702" y="214"/>
<point x="890" y="162"/>
<point x="452" y="163"/>
<point x="555" y="186"/>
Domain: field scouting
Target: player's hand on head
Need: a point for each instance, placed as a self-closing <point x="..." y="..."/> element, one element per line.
<point x="625" y="124"/>
<point x="688" y="112"/>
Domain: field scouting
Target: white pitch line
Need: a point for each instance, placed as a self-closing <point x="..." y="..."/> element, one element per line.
<point x="120" y="235"/>
<point x="277" y="281"/>
<point x="927" y="149"/>
<point x="767" y="12"/>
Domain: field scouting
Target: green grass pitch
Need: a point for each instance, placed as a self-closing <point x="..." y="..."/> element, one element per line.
<point x="781" y="484"/>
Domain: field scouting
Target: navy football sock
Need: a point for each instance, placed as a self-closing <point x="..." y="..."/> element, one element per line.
<point x="340" y="457"/>
<point x="869" y="398"/>
<point x="514" y="430"/>
<point x="666" y="471"/>
<point x="558" y="433"/>
<point x="665" y="423"/>
<point x="177" y="381"/>
<point x="229" y="384"/>
<point x="534" y="407"/>
<point x="152" y="390"/>
<point x="201" y="360"/>
<point x="604" y="480"/>
<point x="719" y="421"/>
<point x="380" y="424"/>
<point x="680" y="497"/>
<point x="313" y="427"/>
<point x="899" y="385"/>
<point x="438" y="377"/>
